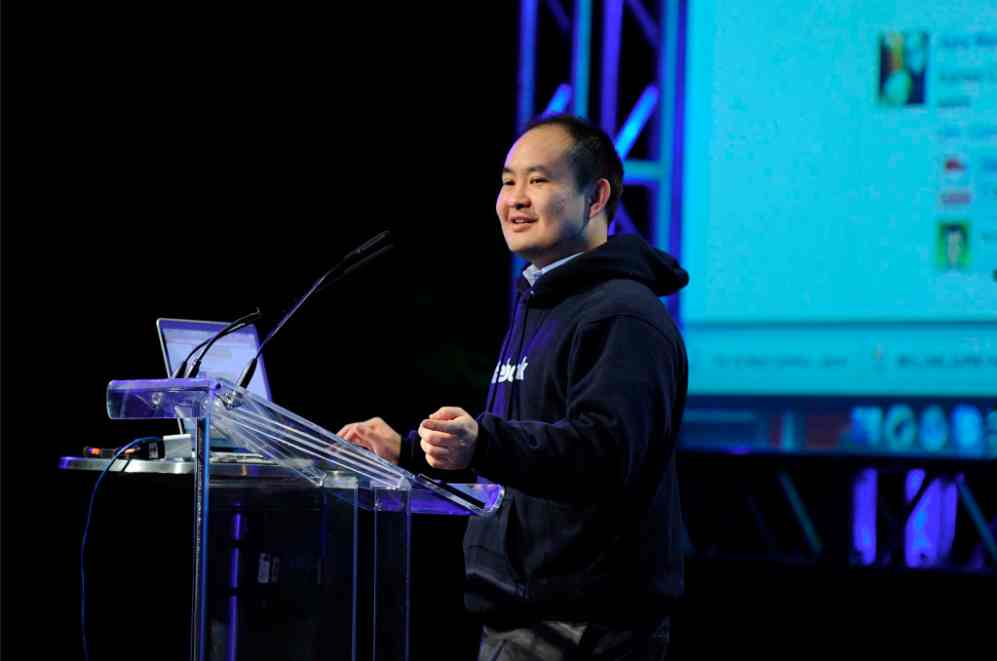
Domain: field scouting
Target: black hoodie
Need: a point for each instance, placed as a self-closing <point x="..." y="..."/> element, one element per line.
<point x="580" y="427"/>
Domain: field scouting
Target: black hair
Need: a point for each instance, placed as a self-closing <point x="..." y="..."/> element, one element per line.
<point x="961" y="229"/>
<point x="593" y="156"/>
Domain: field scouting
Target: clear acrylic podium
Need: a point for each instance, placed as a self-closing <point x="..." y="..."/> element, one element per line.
<point x="301" y="545"/>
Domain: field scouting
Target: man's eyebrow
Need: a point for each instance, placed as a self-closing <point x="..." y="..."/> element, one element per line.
<point x="533" y="168"/>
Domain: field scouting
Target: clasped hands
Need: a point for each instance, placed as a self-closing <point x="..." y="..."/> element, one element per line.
<point x="448" y="438"/>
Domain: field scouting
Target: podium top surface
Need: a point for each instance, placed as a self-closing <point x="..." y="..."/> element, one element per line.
<point x="288" y="442"/>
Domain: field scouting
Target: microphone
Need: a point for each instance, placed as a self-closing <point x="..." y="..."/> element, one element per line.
<point x="354" y="261"/>
<point x="349" y="270"/>
<point x="238" y="324"/>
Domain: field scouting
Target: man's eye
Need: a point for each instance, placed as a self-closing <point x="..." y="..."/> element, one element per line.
<point x="507" y="183"/>
<point x="537" y="180"/>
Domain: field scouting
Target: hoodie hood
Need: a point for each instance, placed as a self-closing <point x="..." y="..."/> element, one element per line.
<point x="623" y="256"/>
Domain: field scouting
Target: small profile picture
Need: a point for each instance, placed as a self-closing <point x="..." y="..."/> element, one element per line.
<point x="903" y="61"/>
<point x="953" y="245"/>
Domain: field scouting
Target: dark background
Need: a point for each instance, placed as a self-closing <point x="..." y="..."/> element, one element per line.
<point x="176" y="160"/>
<point x="180" y="160"/>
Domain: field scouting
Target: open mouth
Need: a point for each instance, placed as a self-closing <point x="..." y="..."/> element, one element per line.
<point x="522" y="221"/>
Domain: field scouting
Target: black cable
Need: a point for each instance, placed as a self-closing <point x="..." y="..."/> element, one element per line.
<point x="231" y="328"/>
<point x="236" y="325"/>
<point x="86" y="530"/>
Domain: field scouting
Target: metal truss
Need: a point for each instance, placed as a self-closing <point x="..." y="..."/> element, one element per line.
<point x="649" y="30"/>
<point x="774" y="521"/>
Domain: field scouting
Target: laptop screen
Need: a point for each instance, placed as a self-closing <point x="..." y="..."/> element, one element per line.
<point x="227" y="357"/>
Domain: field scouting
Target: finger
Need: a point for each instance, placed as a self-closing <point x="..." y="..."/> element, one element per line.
<point x="447" y="426"/>
<point x="445" y="464"/>
<point x="437" y="463"/>
<point x="352" y="437"/>
<point x="438" y="439"/>
<point x="448" y="413"/>
<point x="344" y="430"/>
<point x="434" y="451"/>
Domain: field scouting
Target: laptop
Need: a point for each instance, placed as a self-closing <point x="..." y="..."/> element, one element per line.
<point x="227" y="357"/>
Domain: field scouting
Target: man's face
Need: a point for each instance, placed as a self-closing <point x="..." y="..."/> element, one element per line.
<point x="540" y="207"/>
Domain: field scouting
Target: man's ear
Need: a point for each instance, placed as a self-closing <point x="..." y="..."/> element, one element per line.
<point x="599" y="197"/>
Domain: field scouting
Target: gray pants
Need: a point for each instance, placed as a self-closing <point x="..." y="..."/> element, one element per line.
<point x="551" y="640"/>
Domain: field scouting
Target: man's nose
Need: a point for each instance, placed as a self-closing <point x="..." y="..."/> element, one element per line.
<point x="520" y="200"/>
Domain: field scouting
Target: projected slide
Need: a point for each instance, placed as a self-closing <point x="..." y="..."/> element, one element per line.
<point x="840" y="197"/>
